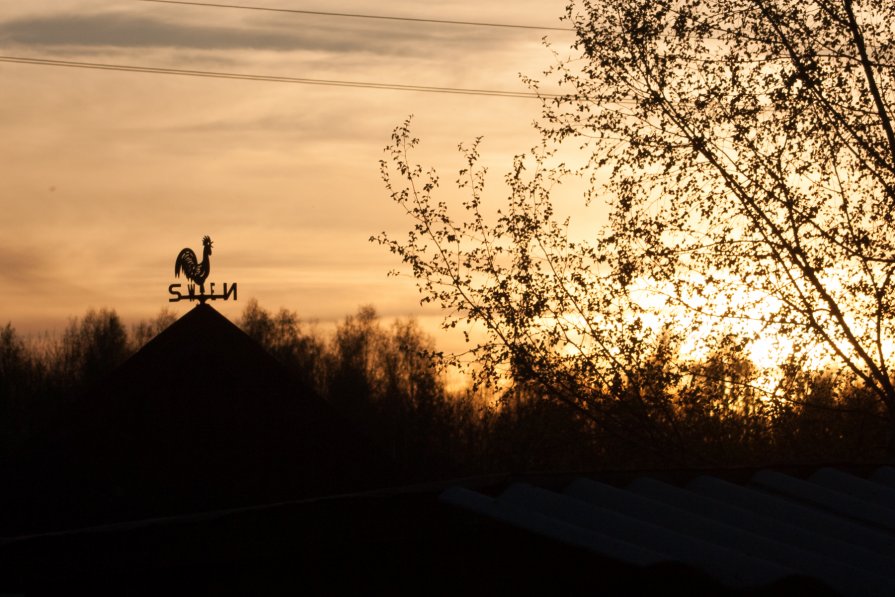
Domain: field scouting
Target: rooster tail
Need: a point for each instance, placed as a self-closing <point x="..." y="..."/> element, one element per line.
<point x="186" y="263"/>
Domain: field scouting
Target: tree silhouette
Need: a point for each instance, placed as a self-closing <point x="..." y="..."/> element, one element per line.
<point x="90" y="348"/>
<point x="387" y="381"/>
<point x="283" y="336"/>
<point x="750" y="160"/>
<point x="552" y="324"/>
<point x="656" y="411"/>
<point x="351" y="367"/>
<point x="744" y="153"/>
<point x="17" y="381"/>
<point x="145" y="330"/>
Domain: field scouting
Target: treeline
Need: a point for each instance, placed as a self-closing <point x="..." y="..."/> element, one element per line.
<point x="41" y="377"/>
<point x="386" y="380"/>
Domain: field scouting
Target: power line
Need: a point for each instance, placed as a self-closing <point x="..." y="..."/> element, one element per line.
<point x="359" y="16"/>
<point x="274" y="78"/>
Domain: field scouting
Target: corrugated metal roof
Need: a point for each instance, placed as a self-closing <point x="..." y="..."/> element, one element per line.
<point x="834" y="527"/>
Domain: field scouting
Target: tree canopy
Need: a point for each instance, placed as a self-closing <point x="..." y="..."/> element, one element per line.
<point x="744" y="153"/>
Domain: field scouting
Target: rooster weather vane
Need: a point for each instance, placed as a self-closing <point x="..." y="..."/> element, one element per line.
<point x="197" y="272"/>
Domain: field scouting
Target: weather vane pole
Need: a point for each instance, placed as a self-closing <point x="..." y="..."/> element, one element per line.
<point x="197" y="272"/>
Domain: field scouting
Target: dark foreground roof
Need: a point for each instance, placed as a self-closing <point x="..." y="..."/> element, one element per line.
<point x="835" y="528"/>
<point x="779" y="535"/>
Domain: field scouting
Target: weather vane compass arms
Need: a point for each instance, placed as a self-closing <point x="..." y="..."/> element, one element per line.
<point x="197" y="272"/>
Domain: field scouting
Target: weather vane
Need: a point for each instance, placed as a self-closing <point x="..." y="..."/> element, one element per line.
<point x="197" y="272"/>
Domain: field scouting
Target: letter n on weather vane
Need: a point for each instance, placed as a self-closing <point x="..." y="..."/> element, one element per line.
<point x="196" y="272"/>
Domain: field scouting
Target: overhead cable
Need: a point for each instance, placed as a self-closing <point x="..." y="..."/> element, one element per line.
<point x="359" y="16"/>
<point x="274" y="78"/>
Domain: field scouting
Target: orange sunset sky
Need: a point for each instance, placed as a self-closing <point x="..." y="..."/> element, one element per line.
<point x="107" y="175"/>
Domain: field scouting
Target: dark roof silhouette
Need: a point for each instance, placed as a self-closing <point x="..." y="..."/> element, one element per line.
<point x="833" y="528"/>
<point x="203" y="417"/>
<point x="622" y="533"/>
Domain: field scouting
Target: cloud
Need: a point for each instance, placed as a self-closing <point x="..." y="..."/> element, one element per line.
<point x="23" y="266"/>
<point x="137" y="31"/>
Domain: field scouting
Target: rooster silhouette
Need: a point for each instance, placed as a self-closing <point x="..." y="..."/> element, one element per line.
<point x="192" y="268"/>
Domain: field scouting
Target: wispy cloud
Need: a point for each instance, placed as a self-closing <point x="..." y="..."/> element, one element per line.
<point x="127" y="30"/>
<point x="19" y="266"/>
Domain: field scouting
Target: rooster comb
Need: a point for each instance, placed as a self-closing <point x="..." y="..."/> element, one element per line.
<point x="206" y="240"/>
